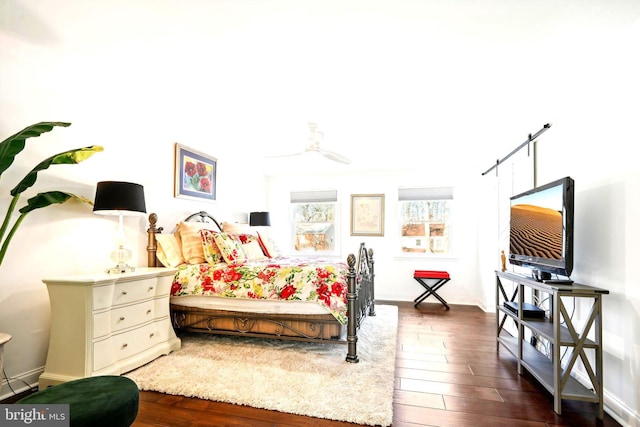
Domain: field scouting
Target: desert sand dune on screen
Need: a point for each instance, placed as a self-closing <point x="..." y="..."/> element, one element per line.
<point x="536" y="231"/>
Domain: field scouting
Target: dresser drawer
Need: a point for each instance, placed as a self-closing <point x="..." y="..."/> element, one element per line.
<point x="120" y="346"/>
<point x="129" y="316"/>
<point x="127" y="292"/>
<point x="123" y="317"/>
<point x="123" y="293"/>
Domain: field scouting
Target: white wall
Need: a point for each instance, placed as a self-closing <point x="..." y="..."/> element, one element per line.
<point x="394" y="272"/>
<point x="53" y="67"/>
<point x="590" y="141"/>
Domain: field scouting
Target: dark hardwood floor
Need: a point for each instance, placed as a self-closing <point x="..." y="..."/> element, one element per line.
<point x="448" y="373"/>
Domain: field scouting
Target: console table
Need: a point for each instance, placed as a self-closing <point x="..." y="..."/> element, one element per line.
<point x="556" y="327"/>
<point x="107" y="324"/>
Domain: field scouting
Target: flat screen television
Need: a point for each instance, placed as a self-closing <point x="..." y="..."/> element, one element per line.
<point x="541" y="229"/>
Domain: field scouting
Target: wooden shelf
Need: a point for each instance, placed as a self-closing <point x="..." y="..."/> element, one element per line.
<point x="545" y="327"/>
<point x="548" y="369"/>
<point x="541" y="367"/>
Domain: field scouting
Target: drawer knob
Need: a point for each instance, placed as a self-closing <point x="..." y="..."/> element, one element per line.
<point x="124" y="292"/>
<point x="149" y="311"/>
<point x="151" y="335"/>
<point x="121" y="318"/>
<point x="150" y="288"/>
<point x="125" y="345"/>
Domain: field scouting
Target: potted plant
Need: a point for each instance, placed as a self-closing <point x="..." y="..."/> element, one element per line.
<point x="9" y="149"/>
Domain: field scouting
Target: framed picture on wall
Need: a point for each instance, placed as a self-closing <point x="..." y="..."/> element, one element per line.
<point x="195" y="174"/>
<point x="367" y="214"/>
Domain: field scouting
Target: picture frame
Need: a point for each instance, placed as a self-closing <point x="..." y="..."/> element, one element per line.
<point x="195" y="174"/>
<point x="367" y="214"/>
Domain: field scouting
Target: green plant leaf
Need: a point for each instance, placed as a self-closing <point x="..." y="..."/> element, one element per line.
<point x="13" y="145"/>
<point x="68" y="157"/>
<point x="42" y="200"/>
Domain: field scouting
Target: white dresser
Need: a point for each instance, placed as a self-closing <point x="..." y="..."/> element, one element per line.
<point x="107" y="324"/>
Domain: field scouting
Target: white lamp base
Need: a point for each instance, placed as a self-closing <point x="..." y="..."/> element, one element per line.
<point x="120" y="268"/>
<point x="120" y="256"/>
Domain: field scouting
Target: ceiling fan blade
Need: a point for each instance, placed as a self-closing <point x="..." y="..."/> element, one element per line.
<point x="284" y="155"/>
<point x="314" y="145"/>
<point x="334" y="156"/>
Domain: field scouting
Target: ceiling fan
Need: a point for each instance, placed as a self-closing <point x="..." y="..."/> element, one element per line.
<point x="315" y="138"/>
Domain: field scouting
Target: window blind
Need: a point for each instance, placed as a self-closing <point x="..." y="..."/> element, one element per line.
<point x="434" y="193"/>
<point x="314" y="196"/>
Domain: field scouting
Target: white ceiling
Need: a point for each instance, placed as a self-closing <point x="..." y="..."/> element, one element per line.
<point x="391" y="83"/>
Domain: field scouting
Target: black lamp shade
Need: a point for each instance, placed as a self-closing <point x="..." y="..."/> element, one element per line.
<point x="259" y="219"/>
<point x="119" y="198"/>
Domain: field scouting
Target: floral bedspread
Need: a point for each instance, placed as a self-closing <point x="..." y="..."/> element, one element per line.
<point x="302" y="279"/>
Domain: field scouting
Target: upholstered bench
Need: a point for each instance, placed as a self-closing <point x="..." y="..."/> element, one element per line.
<point x="438" y="280"/>
<point x="103" y="401"/>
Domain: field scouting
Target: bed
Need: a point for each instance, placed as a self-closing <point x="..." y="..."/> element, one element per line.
<point x="234" y="282"/>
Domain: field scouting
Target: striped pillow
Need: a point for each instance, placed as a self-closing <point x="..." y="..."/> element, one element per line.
<point x="191" y="241"/>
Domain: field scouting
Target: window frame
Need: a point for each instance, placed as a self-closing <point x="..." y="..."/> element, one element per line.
<point x="310" y="197"/>
<point x="407" y="194"/>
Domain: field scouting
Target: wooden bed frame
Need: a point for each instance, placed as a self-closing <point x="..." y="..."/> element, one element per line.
<point x="325" y="328"/>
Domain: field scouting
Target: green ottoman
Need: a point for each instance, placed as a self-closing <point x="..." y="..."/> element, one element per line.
<point x="104" y="401"/>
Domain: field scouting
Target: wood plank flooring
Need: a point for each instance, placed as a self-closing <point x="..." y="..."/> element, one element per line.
<point x="448" y="373"/>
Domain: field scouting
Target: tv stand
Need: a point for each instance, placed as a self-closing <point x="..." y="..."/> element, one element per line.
<point x="550" y="370"/>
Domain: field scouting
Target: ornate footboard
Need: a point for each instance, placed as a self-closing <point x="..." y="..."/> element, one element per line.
<point x="360" y="297"/>
<point x="325" y="328"/>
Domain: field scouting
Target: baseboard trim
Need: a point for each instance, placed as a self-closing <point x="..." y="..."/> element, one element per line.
<point x="25" y="382"/>
<point x="620" y="412"/>
<point x="613" y="406"/>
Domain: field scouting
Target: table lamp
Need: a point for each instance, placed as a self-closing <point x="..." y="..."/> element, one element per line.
<point x="259" y="219"/>
<point x="121" y="199"/>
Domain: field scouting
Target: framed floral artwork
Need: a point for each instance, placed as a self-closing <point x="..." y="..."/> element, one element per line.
<point x="195" y="174"/>
<point x="367" y="214"/>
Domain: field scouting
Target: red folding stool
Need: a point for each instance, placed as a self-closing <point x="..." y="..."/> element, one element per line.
<point x="440" y="277"/>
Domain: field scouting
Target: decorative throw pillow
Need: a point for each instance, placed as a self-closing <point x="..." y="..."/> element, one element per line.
<point x="251" y="247"/>
<point x="169" y="250"/>
<point x="212" y="254"/>
<point x="191" y="241"/>
<point x="253" y="251"/>
<point x="247" y="238"/>
<point x="230" y="247"/>
<point x="268" y="246"/>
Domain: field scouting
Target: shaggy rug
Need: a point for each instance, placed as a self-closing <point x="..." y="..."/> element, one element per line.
<point x="300" y="378"/>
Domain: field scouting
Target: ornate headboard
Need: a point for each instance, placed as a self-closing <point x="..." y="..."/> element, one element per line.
<point x="152" y="244"/>
<point x="203" y="216"/>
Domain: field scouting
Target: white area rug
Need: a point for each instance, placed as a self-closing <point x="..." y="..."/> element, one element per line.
<point x="299" y="378"/>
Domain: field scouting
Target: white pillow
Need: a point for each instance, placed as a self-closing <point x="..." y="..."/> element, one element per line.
<point x="268" y="245"/>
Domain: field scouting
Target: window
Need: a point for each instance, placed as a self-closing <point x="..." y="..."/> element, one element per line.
<point x="314" y="221"/>
<point x="424" y="220"/>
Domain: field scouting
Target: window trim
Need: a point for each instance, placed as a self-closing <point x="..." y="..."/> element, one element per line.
<point x="315" y="196"/>
<point x="425" y="194"/>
